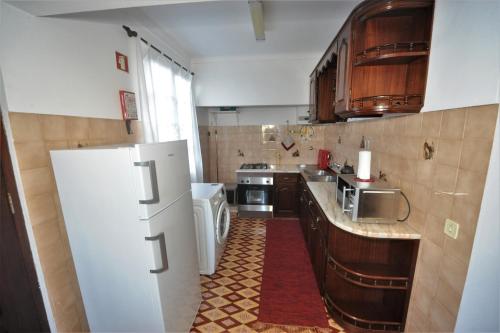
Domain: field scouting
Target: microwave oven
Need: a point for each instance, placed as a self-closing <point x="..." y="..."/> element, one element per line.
<point x="368" y="202"/>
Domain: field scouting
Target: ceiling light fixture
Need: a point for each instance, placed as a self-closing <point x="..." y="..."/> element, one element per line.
<point x="257" y="15"/>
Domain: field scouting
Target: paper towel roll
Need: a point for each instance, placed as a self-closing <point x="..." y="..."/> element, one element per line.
<point x="364" y="161"/>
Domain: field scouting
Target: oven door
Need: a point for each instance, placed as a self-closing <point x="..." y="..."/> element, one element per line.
<point x="255" y="195"/>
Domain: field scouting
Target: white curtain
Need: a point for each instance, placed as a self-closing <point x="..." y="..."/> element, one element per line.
<point x="167" y="105"/>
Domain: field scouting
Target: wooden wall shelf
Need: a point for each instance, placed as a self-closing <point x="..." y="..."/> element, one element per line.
<point x="382" y="103"/>
<point x="392" y="54"/>
<point x="379" y="276"/>
<point x="343" y="313"/>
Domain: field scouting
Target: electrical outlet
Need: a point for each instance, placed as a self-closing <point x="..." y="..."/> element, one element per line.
<point x="451" y="228"/>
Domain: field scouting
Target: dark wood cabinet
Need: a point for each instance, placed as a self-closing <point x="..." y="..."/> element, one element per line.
<point x="368" y="281"/>
<point x="365" y="282"/>
<point x="314" y="226"/>
<point x="342" y="90"/>
<point x="285" y="195"/>
<point x="381" y="58"/>
<point x="313" y="107"/>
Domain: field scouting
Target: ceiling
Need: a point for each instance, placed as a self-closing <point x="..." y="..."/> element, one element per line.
<point x="224" y="28"/>
<point x="212" y="29"/>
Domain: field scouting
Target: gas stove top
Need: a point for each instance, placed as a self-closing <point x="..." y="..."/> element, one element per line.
<point x="255" y="166"/>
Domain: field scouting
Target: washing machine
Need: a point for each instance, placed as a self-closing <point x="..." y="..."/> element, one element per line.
<point x="212" y="220"/>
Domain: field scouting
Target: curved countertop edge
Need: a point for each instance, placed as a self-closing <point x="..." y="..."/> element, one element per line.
<point x="324" y="193"/>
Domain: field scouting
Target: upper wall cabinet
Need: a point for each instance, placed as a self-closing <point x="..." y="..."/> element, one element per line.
<point x="380" y="61"/>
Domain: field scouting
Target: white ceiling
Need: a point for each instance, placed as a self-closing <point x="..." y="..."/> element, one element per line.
<point x="212" y="29"/>
<point x="224" y="28"/>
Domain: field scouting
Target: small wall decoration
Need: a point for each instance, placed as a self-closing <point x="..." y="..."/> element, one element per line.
<point x="121" y="61"/>
<point x="129" y="107"/>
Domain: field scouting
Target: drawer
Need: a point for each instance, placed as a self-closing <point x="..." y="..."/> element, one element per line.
<point x="286" y="178"/>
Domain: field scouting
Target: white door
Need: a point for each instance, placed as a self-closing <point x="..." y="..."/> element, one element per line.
<point x="162" y="175"/>
<point x="172" y="240"/>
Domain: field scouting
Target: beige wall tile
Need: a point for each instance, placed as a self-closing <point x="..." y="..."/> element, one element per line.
<point x="41" y="208"/>
<point x="413" y="125"/>
<point x="430" y="258"/>
<point x="53" y="127"/>
<point x="449" y="152"/>
<point x="25" y="127"/>
<point x="440" y="319"/>
<point x="37" y="181"/>
<point x="98" y="129"/>
<point x="452" y="124"/>
<point x="52" y="257"/>
<point x="434" y="227"/>
<point x="481" y="121"/>
<point x="77" y="128"/>
<point x="31" y="155"/>
<point x="440" y="204"/>
<point x="46" y="234"/>
<point x="445" y="178"/>
<point x="476" y="155"/>
<point x="452" y="274"/>
<point x="424" y="300"/>
<point x="472" y="184"/>
<point x="431" y="124"/>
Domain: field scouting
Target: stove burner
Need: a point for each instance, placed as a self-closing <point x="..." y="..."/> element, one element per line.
<point x="260" y="166"/>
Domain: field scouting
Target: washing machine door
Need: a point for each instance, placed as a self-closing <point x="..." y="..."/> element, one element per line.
<point x="223" y="222"/>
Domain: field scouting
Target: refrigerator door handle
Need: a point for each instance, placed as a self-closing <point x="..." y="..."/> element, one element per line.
<point x="154" y="182"/>
<point x="163" y="249"/>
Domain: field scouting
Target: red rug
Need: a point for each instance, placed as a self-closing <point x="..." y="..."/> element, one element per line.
<point x="289" y="295"/>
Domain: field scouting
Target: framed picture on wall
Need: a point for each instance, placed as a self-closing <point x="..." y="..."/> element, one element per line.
<point x="121" y="61"/>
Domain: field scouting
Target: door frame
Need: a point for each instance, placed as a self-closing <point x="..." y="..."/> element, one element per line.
<point x="6" y="168"/>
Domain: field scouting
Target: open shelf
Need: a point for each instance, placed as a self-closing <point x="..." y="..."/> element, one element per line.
<point x="371" y="275"/>
<point x="363" y="315"/>
<point x="381" y="103"/>
<point x="392" y="54"/>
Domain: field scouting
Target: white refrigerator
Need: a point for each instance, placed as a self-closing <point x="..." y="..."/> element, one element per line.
<point x="129" y="217"/>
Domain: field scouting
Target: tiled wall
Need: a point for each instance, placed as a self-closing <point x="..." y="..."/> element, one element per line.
<point x="34" y="135"/>
<point x="224" y="146"/>
<point x="450" y="185"/>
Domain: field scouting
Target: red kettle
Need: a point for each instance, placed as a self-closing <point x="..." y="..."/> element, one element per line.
<point x="323" y="159"/>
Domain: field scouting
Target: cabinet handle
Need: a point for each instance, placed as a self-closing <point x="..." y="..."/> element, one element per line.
<point x="163" y="250"/>
<point x="154" y="182"/>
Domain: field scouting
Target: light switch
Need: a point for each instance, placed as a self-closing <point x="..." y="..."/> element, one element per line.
<point x="451" y="228"/>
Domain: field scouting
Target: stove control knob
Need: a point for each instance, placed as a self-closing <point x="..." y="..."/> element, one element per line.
<point x="267" y="181"/>
<point x="248" y="181"/>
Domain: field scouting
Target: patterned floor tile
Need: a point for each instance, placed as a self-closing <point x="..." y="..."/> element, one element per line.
<point x="231" y="296"/>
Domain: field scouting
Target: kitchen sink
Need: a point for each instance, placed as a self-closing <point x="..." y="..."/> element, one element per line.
<point x="328" y="178"/>
<point x="317" y="172"/>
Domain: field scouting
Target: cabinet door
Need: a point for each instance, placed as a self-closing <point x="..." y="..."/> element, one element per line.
<point x="285" y="200"/>
<point x="343" y="69"/>
<point x="313" y="107"/>
<point x="317" y="250"/>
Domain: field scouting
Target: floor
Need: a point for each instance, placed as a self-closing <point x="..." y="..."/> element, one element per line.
<point x="231" y="296"/>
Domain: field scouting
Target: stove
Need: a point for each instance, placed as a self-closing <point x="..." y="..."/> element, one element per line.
<point x="254" y="166"/>
<point x="255" y="190"/>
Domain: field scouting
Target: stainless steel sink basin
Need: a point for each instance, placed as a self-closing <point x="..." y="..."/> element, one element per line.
<point x="322" y="178"/>
<point x="316" y="172"/>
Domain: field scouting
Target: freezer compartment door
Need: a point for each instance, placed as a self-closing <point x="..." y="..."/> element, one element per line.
<point x="172" y="241"/>
<point x="162" y="171"/>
